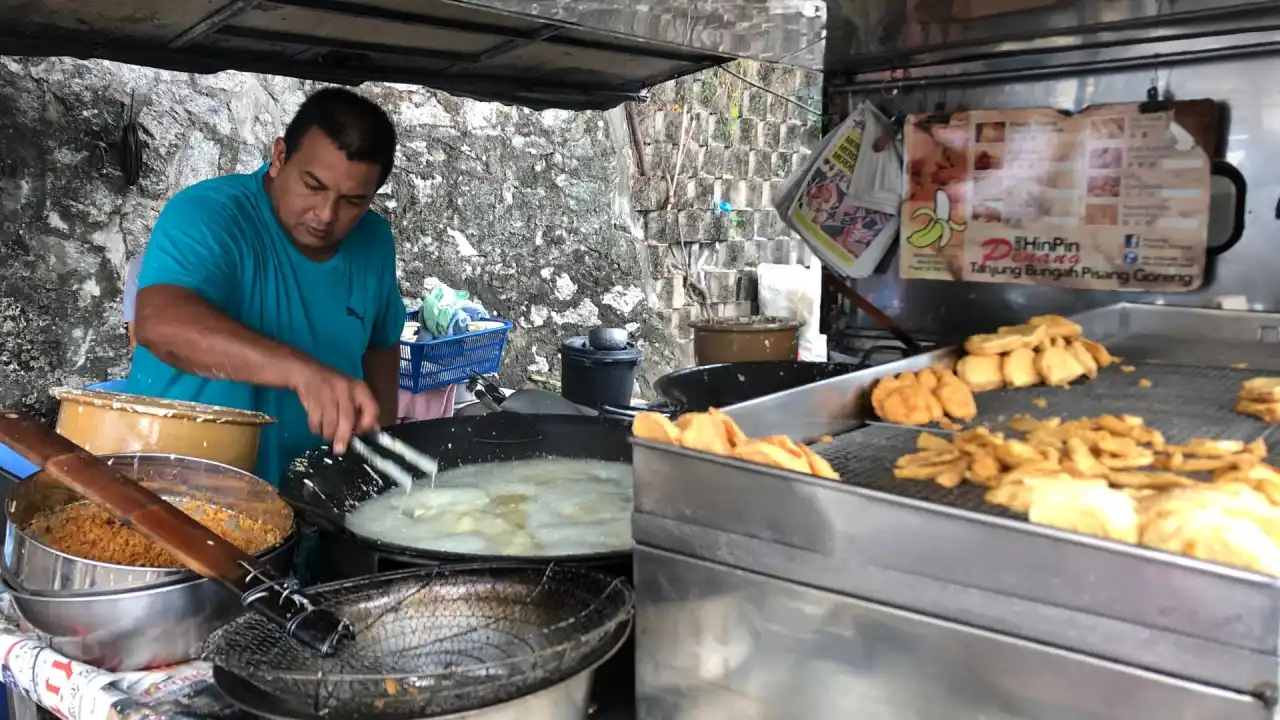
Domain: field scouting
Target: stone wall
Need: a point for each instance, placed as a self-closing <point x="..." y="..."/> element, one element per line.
<point x="717" y="145"/>
<point x="527" y="210"/>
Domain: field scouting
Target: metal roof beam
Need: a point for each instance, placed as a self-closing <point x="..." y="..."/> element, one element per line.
<point x="213" y="21"/>
<point x="534" y="93"/>
<point x="352" y="9"/>
<point x="332" y="44"/>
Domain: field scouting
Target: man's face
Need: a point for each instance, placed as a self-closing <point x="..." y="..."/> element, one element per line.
<point x="318" y="194"/>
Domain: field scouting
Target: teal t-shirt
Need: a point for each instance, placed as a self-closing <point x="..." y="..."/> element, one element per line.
<point x="220" y="239"/>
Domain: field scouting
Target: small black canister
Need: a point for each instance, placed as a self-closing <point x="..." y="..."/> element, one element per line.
<point x="600" y="373"/>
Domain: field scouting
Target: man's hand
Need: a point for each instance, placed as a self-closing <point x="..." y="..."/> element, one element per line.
<point x="337" y="406"/>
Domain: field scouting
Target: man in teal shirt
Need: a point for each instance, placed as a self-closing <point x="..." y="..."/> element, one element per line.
<point x="276" y="291"/>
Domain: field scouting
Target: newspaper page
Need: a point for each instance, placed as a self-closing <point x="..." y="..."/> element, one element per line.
<point x="823" y="208"/>
<point x="1113" y="198"/>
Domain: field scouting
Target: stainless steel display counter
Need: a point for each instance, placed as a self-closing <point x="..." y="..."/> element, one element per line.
<point x="715" y="535"/>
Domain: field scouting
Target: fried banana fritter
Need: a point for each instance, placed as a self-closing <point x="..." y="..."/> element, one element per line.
<point x="1057" y="326"/>
<point x="1057" y="366"/>
<point x="931" y="395"/>
<point x="715" y="432"/>
<point x="1084" y="357"/>
<point x="1100" y="354"/>
<point x="1006" y="339"/>
<point x="956" y="397"/>
<point x="1115" y="477"/>
<point x="1019" y="368"/>
<point x="981" y="372"/>
<point x="1261" y="389"/>
<point x="1266" y="412"/>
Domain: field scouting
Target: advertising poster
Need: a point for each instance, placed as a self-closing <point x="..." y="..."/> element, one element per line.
<point x="1112" y="198"/>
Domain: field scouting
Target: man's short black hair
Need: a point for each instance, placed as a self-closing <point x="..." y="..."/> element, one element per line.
<point x="356" y="125"/>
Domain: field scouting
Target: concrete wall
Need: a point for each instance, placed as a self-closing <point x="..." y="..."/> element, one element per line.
<point x="532" y="212"/>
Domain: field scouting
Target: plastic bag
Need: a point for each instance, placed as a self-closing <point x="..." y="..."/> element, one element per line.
<point x="795" y="292"/>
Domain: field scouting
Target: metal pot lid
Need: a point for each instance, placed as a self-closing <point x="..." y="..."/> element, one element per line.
<point x="579" y="347"/>
<point x="177" y="409"/>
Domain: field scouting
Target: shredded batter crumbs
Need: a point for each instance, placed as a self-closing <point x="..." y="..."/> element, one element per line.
<point x="88" y="532"/>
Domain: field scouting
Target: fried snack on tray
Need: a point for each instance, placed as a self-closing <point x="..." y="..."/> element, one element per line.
<point x="716" y="433"/>
<point x="981" y="372"/>
<point x="1260" y="397"/>
<point x="1006" y="339"/>
<point x="1019" y="368"/>
<point x="1084" y="357"/>
<point x="1057" y="366"/>
<point x="918" y="398"/>
<point x="1117" y="478"/>
<point x="1057" y="326"/>
<point x="956" y="397"/>
<point x="1048" y="349"/>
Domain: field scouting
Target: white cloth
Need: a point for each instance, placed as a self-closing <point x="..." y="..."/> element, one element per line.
<point x="795" y="292"/>
<point x="131" y="287"/>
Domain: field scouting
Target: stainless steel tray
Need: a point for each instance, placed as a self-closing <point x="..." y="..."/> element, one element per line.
<point x="950" y="555"/>
<point x="718" y="643"/>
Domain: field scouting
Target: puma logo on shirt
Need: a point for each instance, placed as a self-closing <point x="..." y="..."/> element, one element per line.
<point x="351" y="312"/>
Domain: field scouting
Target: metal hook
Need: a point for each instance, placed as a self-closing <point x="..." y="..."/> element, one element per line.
<point x="896" y="77"/>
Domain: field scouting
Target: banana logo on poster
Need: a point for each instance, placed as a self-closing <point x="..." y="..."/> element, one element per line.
<point x="938" y="226"/>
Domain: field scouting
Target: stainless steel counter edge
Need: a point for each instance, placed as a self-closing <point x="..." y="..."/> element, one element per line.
<point x="842" y="527"/>
<point x="715" y="642"/>
<point x="1127" y="643"/>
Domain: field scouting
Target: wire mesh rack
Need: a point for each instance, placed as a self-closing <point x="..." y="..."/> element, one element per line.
<point x="436" y="641"/>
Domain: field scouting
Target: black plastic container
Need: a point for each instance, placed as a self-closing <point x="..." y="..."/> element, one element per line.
<point x="591" y="377"/>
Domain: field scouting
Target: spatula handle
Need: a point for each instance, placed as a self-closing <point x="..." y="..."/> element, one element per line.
<point x="197" y="547"/>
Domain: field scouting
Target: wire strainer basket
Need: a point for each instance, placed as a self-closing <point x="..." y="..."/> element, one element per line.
<point x="435" y="641"/>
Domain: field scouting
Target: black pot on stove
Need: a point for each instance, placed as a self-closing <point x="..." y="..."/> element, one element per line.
<point x="701" y="388"/>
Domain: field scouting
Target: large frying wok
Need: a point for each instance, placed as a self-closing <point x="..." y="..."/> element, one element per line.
<point x="324" y="488"/>
<point x="697" y="389"/>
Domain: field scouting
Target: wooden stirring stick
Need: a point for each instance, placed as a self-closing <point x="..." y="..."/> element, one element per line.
<point x="199" y="548"/>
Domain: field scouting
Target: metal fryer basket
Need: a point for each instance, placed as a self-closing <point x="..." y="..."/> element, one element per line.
<point x="436" y="641"/>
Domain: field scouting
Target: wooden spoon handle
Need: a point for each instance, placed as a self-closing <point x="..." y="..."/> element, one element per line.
<point x="198" y="547"/>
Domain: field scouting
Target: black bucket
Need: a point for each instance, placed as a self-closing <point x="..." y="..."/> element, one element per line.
<point x="592" y="378"/>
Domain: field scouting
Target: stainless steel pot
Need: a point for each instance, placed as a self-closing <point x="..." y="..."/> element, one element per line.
<point x="136" y="629"/>
<point x="41" y="570"/>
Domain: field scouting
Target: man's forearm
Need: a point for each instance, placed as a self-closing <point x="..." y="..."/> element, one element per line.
<point x="185" y="331"/>
<point x="382" y="375"/>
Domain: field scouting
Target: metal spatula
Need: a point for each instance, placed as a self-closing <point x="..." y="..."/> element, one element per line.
<point x="421" y="465"/>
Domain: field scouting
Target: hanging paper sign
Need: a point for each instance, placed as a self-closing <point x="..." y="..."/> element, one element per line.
<point x="1112" y="198"/>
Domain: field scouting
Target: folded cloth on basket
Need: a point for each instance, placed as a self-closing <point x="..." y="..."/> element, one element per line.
<point x="463" y="315"/>
<point x="440" y="307"/>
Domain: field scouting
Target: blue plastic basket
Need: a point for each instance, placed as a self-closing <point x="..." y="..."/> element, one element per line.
<point x="449" y="360"/>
